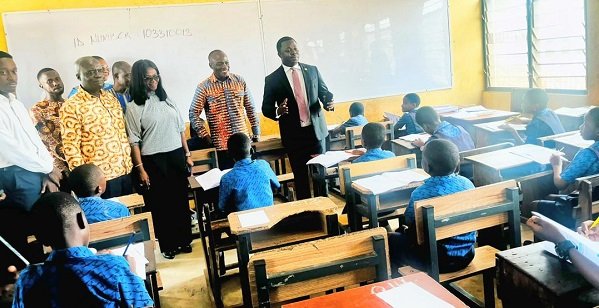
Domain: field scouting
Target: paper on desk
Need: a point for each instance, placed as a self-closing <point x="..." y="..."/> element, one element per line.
<point x="251" y="219"/>
<point x="332" y="126"/>
<point x="211" y="178"/>
<point x="537" y="154"/>
<point x="330" y="158"/>
<point x="393" y="118"/>
<point x="137" y="252"/>
<point x="410" y="294"/>
<point x="495" y="126"/>
<point x="446" y="109"/>
<point x="573" y="112"/>
<point x="585" y="247"/>
<point x="390" y="180"/>
<point x="575" y="139"/>
<point x="413" y="137"/>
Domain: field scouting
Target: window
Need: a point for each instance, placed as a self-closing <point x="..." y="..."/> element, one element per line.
<point x="535" y="43"/>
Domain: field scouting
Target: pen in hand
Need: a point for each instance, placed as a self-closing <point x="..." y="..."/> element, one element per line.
<point x="129" y="243"/>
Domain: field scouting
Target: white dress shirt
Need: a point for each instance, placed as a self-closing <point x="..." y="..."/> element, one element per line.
<point x="289" y="71"/>
<point x="20" y="144"/>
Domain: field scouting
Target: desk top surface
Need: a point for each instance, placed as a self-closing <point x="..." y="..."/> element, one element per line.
<point x="479" y="116"/>
<point x="277" y="212"/>
<point x="505" y="158"/>
<point x="575" y="140"/>
<point x="543" y="267"/>
<point x="405" y="143"/>
<point x="364" y="296"/>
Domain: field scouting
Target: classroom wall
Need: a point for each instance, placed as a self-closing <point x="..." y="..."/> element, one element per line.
<point x="502" y="100"/>
<point x="466" y="49"/>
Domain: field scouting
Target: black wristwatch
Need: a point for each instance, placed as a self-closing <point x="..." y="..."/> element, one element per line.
<point x="563" y="249"/>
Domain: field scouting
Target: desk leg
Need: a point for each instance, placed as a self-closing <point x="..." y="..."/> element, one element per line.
<point x="372" y="211"/>
<point x="319" y="180"/>
<point x="354" y="220"/>
<point x="243" y="256"/>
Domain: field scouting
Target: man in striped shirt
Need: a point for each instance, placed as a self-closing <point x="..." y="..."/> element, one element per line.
<point x="226" y="99"/>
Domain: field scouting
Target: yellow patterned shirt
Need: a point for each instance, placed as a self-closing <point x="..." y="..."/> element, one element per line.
<point x="47" y="122"/>
<point x="93" y="131"/>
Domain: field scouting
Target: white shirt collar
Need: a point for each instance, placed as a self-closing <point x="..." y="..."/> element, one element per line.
<point x="287" y="68"/>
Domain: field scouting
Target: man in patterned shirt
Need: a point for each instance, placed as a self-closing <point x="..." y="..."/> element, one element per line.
<point x="45" y="115"/>
<point x="93" y="129"/>
<point x="440" y="160"/>
<point x="226" y="99"/>
<point x="72" y="275"/>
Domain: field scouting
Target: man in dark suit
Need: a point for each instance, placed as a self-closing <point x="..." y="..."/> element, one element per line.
<point x="292" y="96"/>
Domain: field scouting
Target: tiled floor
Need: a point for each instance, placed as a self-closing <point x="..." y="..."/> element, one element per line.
<point x="185" y="284"/>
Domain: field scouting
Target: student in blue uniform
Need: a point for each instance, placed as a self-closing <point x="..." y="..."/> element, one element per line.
<point x="356" y="113"/>
<point x="250" y="183"/>
<point x="429" y="119"/>
<point x="373" y="136"/>
<point x="72" y="276"/>
<point x="88" y="183"/>
<point x="407" y="125"/>
<point x="544" y="121"/>
<point x="585" y="163"/>
<point x="440" y="160"/>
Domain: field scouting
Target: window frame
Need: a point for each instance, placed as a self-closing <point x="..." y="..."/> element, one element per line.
<point x="529" y="23"/>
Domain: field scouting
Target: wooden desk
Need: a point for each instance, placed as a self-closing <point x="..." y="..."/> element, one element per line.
<point x="468" y="123"/>
<point x="535" y="180"/>
<point x="486" y="134"/>
<point x="365" y="296"/>
<point x="571" y="121"/>
<point x="571" y="144"/>
<point x="528" y="276"/>
<point x="404" y="147"/>
<point x="370" y="204"/>
<point x="134" y="202"/>
<point x="263" y="237"/>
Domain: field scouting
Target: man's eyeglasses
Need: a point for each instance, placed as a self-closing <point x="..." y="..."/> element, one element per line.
<point x="152" y="78"/>
<point x="98" y="71"/>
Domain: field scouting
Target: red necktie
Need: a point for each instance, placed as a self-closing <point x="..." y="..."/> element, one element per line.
<point x="304" y="114"/>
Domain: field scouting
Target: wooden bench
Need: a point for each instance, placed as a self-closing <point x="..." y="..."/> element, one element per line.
<point x="317" y="266"/>
<point x="117" y="232"/>
<point x="447" y="216"/>
<point x="350" y="172"/>
<point x="587" y="207"/>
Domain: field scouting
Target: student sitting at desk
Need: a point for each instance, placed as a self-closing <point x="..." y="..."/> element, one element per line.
<point x="440" y="160"/>
<point x="585" y="163"/>
<point x="72" y="276"/>
<point x="566" y="249"/>
<point x="407" y="123"/>
<point x="544" y="121"/>
<point x="88" y="183"/>
<point x="373" y="136"/>
<point x="250" y="183"/>
<point x="429" y="119"/>
<point x="356" y="113"/>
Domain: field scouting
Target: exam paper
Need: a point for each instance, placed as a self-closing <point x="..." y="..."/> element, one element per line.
<point x="251" y="219"/>
<point x="413" y="137"/>
<point x="330" y="158"/>
<point x="137" y="252"/>
<point x="393" y="118"/>
<point x="411" y="295"/>
<point x="573" y="112"/>
<point x="495" y="126"/>
<point x="390" y="180"/>
<point x="211" y="178"/>
<point x="537" y="154"/>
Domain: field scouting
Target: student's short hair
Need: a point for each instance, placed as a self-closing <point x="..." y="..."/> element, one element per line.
<point x="84" y="180"/>
<point x="4" y="54"/>
<point x="118" y="66"/>
<point x="426" y="115"/>
<point x="53" y="213"/>
<point x="43" y="71"/>
<point x="373" y="135"/>
<point x="238" y="146"/>
<point x="412" y="98"/>
<point x="536" y="97"/>
<point x="283" y="40"/>
<point x="593" y="116"/>
<point x="442" y="156"/>
<point x="356" y="108"/>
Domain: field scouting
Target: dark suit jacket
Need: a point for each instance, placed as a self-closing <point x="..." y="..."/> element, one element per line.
<point x="277" y="88"/>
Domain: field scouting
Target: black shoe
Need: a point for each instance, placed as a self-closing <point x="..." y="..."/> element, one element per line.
<point x="185" y="249"/>
<point x="169" y="254"/>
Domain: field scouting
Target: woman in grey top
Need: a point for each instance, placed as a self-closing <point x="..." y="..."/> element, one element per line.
<point x="160" y="157"/>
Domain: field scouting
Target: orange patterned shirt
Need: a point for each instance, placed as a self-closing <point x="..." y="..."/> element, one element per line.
<point x="93" y="131"/>
<point x="47" y="122"/>
<point x="226" y="104"/>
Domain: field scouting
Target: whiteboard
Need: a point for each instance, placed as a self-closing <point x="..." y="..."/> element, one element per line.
<point x="363" y="48"/>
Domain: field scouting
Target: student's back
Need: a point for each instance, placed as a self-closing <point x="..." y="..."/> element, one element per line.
<point x="356" y="112"/>
<point x="407" y="123"/>
<point x="97" y="209"/>
<point x="455" y="134"/>
<point x="544" y="123"/>
<point x="373" y="136"/>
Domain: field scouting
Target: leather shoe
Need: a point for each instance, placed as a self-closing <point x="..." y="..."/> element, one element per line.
<point x="185" y="249"/>
<point x="169" y="254"/>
